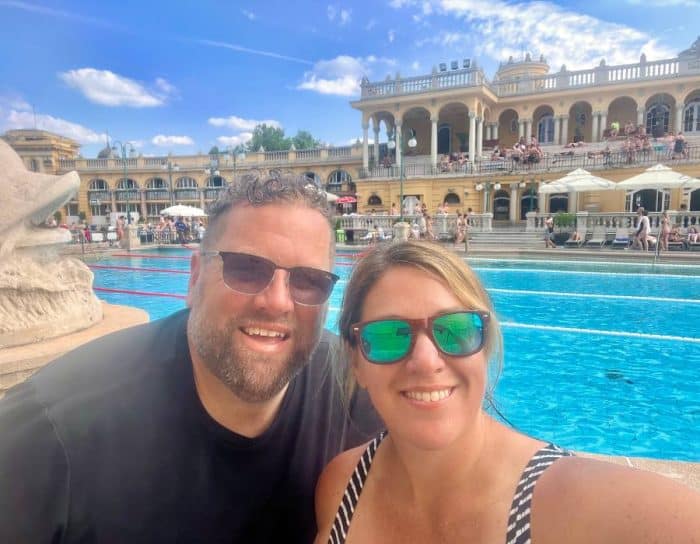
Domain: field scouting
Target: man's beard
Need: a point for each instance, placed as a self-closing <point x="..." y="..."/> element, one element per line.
<point x="250" y="375"/>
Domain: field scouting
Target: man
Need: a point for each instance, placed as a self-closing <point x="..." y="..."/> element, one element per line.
<point x="211" y="425"/>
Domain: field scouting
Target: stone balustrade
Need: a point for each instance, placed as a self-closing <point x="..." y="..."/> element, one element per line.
<point x="586" y="221"/>
<point x="442" y="223"/>
<point x="225" y="160"/>
<point x="565" y="79"/>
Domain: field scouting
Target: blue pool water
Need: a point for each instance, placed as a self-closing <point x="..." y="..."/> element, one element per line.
<point x="599" y="357"/>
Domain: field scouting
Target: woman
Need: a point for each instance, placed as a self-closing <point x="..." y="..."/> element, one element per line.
<point x="447" y="471"/>
<point x="549" y="232"/>
<point x="665" y="231"/>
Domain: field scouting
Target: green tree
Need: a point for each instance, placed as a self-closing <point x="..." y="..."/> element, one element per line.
<point x="214" y="151"/>
<point x="270" y="138"/>
<point x="304" y="140"/>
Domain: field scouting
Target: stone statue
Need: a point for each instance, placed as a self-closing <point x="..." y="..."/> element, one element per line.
<point x="42" y="295"/>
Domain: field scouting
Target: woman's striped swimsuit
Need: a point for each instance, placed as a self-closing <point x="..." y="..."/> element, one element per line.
<point x="518" y="519"/>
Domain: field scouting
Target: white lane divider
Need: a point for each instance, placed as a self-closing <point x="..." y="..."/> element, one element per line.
<point x="552" y="328"/>
<point x="594" y="295"/>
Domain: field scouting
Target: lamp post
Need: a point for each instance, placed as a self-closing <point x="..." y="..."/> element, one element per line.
<point x="124" y="147"/>
<point x="531" y="190"/>
<point x="171" y="167"/>
<point x="234" y="156"/>
<point x="391" y="144"/>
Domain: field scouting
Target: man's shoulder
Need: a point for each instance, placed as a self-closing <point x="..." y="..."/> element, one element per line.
<point x="111" y="360"/>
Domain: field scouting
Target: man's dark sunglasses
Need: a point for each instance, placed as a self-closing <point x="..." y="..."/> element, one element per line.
<point x="250" y="275"/>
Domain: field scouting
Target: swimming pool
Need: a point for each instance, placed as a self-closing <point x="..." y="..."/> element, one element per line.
<point x="599" y="357"/>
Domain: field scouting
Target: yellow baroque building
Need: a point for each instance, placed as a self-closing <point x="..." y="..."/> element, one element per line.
<point x="433" y="142"/>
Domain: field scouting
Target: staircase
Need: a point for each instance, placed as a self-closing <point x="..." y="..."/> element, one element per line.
<point x="507" y="235"/>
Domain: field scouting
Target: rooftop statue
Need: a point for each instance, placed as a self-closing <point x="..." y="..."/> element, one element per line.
<point x="42" y="295"/>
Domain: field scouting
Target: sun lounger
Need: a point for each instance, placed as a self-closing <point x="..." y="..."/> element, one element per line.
<point x="622" y="239"/>
<point x="598" y="238"/>
<point x="571" y="243"/>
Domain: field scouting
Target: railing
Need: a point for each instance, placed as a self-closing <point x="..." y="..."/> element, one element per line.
<point x="470" y="77"/>
<point x="157" y="194"/>
<point x="444" y="225"/>
<point x="186" y="194"/>
<point x="601" y="75"/>
<point x="122" y="195"/>
<point x="308" y="154"/>
<point x="213" y="194"/>
<point x="586" y="221"/>
<point x="553" y="162"/>
<point x="194" y="164"/>
<point x="103" y="196"/>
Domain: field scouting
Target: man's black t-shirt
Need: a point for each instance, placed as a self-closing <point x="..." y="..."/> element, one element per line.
<point x="110" y="443"/>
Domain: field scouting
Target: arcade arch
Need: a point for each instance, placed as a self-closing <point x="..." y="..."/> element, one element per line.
<point x="658" y="114"/>
<point x="580" y="123"/>
<point x="508" y="128"/>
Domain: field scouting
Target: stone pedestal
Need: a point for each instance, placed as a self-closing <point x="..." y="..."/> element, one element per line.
<point x="131" y="238"/>
<point x="401" y="230"/>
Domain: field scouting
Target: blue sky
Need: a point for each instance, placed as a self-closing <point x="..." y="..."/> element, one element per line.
<point x="181" y="76"/>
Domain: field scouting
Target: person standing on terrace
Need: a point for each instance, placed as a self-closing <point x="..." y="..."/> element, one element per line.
<point x="211" y="425"/>
<point x="445" y="470"/>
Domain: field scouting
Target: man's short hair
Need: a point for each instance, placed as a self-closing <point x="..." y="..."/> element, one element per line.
<point x="259" y="188"/>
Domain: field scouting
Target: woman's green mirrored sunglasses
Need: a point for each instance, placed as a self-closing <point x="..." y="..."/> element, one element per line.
<point x="457" y="334"/>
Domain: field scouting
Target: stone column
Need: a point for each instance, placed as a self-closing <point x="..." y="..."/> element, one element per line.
<point x="433" y="141"/>
<point x="398" y="135"/>
<point x="564" y="129"/>
<point x="557" y="132"/>
<point x="594" y="132"/>
<point x="472" y="136"/>
<point x="679" y="118"/>
<point x="521" y="128"/>
<point x="528" y="129"/>
<point x="514" y="202"/>
<point x="495" y="131"/>
<point x="479" y="138"/>
<point x="365" y="148"/>
<point x="376" y="145"/>
<point x="640" y="117"/>
<point x="144" y="208"/>
<point x="603" y="124"/>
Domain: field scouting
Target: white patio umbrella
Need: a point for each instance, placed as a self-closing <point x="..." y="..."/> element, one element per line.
<point x="578" y="181"/>
<point x="659" y="177"/>
<point x="180" y="210"/>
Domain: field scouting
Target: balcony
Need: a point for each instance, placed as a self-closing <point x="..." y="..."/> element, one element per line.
<point x="157" y="194"/>
<point x="186" y="194"/>
<point x="122" y="195"/>
<point x="594" y="157"/>
<point x="213" y="193"/>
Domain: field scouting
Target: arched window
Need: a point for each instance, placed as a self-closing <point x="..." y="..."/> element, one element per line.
<point x="652" y="200"/>
<point x="451" y="198"/>
<point x="559" y="202"/>
<point x="691" y="116"/>
<point x="338" y="177"/>
<point x="186" y="183"/>
<point x="545" y="129"/>
<point x="127" y="184"/>
<point x="215" y="181"/>
<point x="444" y="139"/>
<point x="658" y="117"/>
<point x="155" y="183"/>
<point x="374" y="200"/>
<point x="313" y="178"/>
<point x="98" y="185"/>
<point x="501" y="205"/>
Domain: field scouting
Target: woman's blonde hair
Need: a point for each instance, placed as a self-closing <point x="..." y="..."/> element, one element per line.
<point x="437" y="261"/>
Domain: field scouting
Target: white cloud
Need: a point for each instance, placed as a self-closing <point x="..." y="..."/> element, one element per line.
<point x="110" y="89"/>
<point x="341" y="76"/>
<point x="14" y="102"/>
<point x="371" y="24"/>
<point x="54" y="13"/>
<point x="235" y="140"/>
<point x="499" y="29"/>
<point x="249" y="14"/>
<point x="344" y="16"/>
<point x="238" y="123"/>
<point x="26" y="119"/>
<point x="165" y="141"/>
<point x="391" y="36"/>
<point x="415" y="66"/>
<point x="665" y="3"/>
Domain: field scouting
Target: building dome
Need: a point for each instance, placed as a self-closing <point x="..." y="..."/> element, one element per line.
<point x="106" y="153"/>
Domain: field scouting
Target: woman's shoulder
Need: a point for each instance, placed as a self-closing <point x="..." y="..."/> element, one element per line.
<point x="331" y="486"/>
<point x="585" y="500"/>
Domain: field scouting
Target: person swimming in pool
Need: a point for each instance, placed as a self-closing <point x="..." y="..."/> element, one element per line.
<point x="445" y="470"/>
